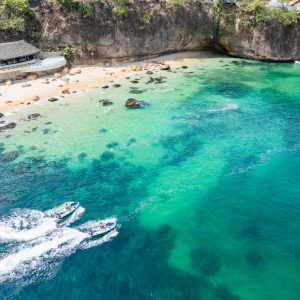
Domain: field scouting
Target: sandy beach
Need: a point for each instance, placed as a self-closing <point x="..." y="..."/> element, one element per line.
<point x="27" y="92"/>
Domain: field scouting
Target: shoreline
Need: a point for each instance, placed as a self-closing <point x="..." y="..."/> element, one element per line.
<point x="17" y="97"/>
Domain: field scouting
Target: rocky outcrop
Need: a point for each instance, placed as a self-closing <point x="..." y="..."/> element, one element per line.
<point x="275" y="42"/>
<point x="152" y="28"/>
<point x="134" y="103"/>
<point x="106" y="38"/>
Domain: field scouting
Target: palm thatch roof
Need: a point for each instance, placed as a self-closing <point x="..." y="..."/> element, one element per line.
<point x="16" y="49"/>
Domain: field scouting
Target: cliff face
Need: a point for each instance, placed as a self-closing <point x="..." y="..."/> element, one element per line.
<point x="152" y="28"/>
<point x="275" y="42"/>
<point x="149" y="29"/>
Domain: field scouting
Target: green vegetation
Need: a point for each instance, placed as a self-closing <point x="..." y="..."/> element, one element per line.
<point x="13" y="14"/>
<point x="256" y="12"/>
<point x="86" y="9"/>
<point x="69" y="52"/>
<point x="146" y="19"/>
<point x="121" y="8"/>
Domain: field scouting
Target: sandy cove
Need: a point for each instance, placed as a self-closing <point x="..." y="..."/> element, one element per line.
<point x="16" y="96"/>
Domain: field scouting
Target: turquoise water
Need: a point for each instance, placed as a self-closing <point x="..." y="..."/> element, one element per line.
<point x="204" y="183"/>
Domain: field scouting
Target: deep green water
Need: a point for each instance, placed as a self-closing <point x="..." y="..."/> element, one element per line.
<point x="204" y="183"/>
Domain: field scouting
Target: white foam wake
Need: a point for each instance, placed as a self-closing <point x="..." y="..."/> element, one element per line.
<point x="33" y="245"/>
<point x="25" y="225"/>
<point x="40" y="253"/>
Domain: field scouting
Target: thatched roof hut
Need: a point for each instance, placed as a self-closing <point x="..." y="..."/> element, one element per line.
<point x="17" y="49"/>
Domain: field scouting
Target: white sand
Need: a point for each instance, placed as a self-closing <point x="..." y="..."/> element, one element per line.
<point x="15" y="96"/>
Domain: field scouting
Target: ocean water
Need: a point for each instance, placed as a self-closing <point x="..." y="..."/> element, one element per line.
<point x="204" y="183"/>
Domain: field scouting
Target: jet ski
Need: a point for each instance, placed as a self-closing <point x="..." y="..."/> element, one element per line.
<point x="67" y="210"/>
<point x="103" y="227"/>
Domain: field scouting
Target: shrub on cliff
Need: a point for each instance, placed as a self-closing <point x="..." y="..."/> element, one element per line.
<point x="121" y="8"/>
<point x="256" y="12"/>
<point x="13" y="14"/>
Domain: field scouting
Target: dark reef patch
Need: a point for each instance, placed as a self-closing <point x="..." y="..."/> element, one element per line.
<point x="253" y="258"/>
<point x="207" y="261"/>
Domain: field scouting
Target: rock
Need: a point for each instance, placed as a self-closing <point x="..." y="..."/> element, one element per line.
<point x="8" y="82"/>
<point x="136" y="92"/>
<point x="52" y="99"/>
<point x="133" y="103"/>
<point x="105" y="87"/>
<point x="116" y="85"/>
<point x="107" y="103"/>
<point x="57" y="75"/>
<point x="164" y="67"/>
<point x="53" y="79"/>
<point x="78" y="71"/>
<point x="25" y="85"/>
<point x="1" y="115"/>
<point x="19" y="77"/>
<point x="8" y="102"/>
<point x="8" y="126"/>
<point x="31" y="77"/>
<point x="149" y="72"/>
<point x="136" y="68"/>
<point x="36" y="98"/>
<point x="135" y="81"/>
<point x="65" y="71"/>
<point x="9" y="156"/>
<point x="34" y="116"/>
<point x="184" y="67"/>
<point x="66" y="91"/>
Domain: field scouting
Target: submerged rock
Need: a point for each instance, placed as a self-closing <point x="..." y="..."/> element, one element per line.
<point x="33" y="116"/>
<point x="8" y="126"/>
<point x="107" y="103"/>
<point x="134" y="103"/>
<point x="9" y="156"/>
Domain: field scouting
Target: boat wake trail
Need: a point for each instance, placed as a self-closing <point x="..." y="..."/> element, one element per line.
<point x="33" y="246"/>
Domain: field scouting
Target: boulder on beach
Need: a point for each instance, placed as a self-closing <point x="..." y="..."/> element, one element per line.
<point x="66" y="91"/>
<point x="136" y="68"/>
<point x="33" y="116"/>
<point x="164" y="67"/>
<point x="31" y="77"/>
<point x="134" y="103"/>
<point x="8" y="126"/>
<point x="8" y="82"/>
<point x="105" y="87"/>
<point x="25" y="85"/>
<point x="36" y="98"/>
<point x="57" y="75"/>
<point x="52" y="99"/>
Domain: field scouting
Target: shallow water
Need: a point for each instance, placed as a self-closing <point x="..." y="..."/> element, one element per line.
<point x="203" y="182"/>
